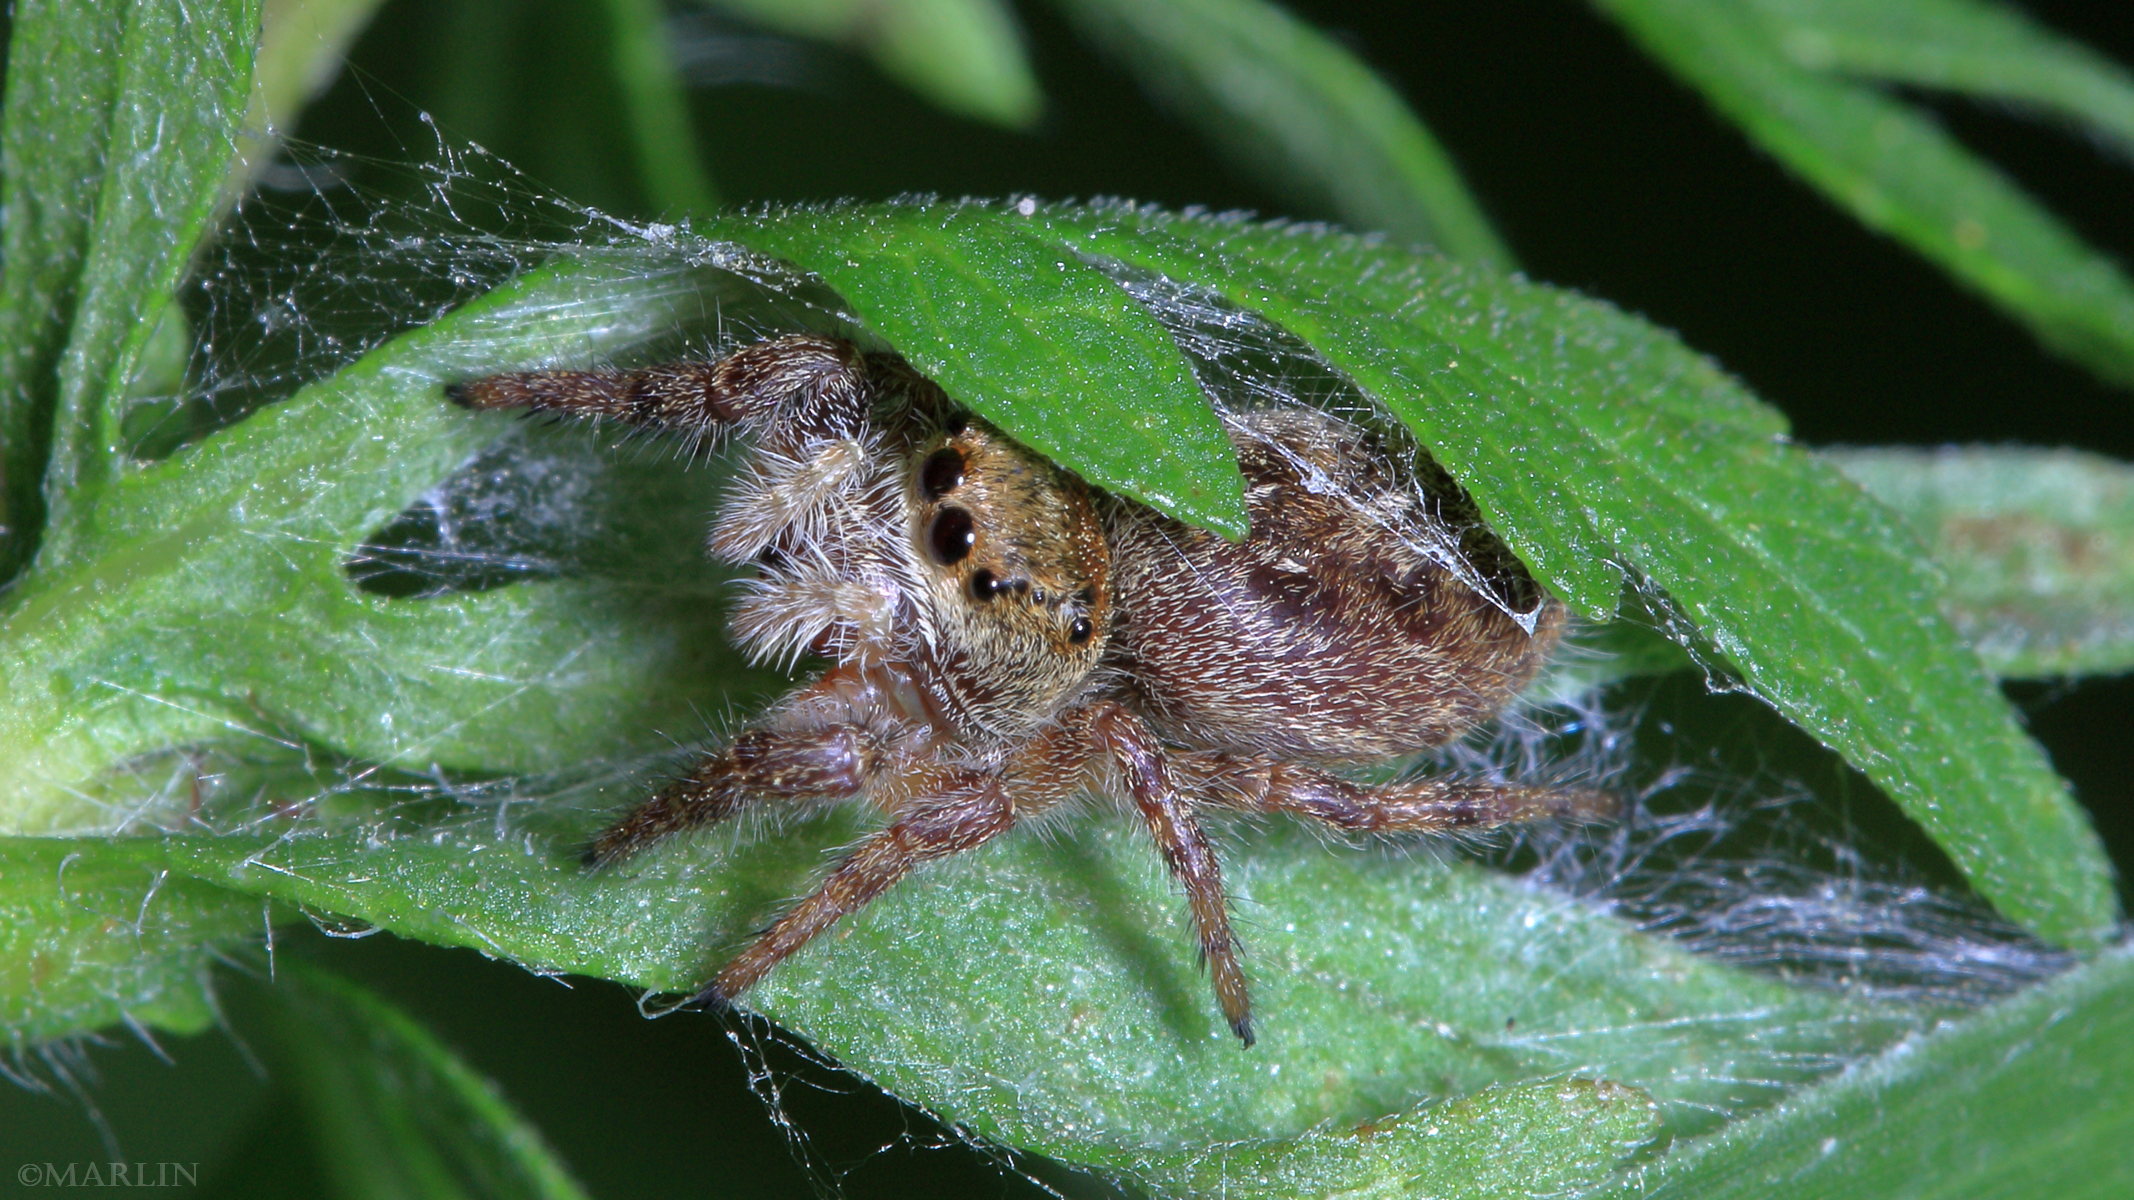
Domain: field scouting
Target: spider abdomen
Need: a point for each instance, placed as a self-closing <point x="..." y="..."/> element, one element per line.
<point x="1318" y="635"/>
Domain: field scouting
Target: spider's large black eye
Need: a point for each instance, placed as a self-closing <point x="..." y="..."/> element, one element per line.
<point x="1081" y="631"/>
<point x="942" y="473"/>
<point x="952" y="536"/>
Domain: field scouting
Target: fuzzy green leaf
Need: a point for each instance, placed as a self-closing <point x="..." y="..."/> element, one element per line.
<point x="2028" y="1098"/>
<point x="89" y="940"/>
<point x="1531" y="1140"/>
<point x="1892" y="166"/>
<point x="1044" y="991"/>
<point x="1593" y="440"/>
<point x="1295" y="107"/>
<point x="117" y="136"/>
<point x="2037" y="547"/>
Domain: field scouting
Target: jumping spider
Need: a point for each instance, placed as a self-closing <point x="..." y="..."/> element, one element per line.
<point x="1002" y="639"/>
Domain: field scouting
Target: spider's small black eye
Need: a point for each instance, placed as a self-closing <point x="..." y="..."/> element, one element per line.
<point x="942" y="474"/>
<point x="984" y="585"/>
<point x="1081" y="631"/>
<point x="952" y="536"/>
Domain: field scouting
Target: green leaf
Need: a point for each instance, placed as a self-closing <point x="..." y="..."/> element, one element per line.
<point x="117" y="137"/>
<point x="962" y="55"/>
<point x="302" y="47"/>
<point x="1592" y="440"/>
<point x="1044" y="991"/>
<point x="1892" y="166"/>
<point x="1013" y="325"/>
<point x="89" y="940"/>
<point x="657" y="106"/>
<point x="394" y="1112"/>
<point x="1295" y="107"/>
<point x="211" y="598"/>
<point x="2037" y="547"/>
<point x="1530" y="1140"/>
<point x="2028" y="1098"/>
<point x="1980" y="49"/>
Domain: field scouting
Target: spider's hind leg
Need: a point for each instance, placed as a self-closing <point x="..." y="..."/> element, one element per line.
<point x="1262" y="783"/>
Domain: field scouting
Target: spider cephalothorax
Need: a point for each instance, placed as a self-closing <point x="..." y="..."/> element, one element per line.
<point x="1018" y="575"/>
<point x="1001" y="641"/>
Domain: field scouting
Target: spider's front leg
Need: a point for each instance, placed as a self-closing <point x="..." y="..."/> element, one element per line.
<point x="940" y="810"/>
<point x="808" y="401"/>
<point x="828" y="740"/>
<point x="960" y="811"/>
<point x="829" y="763"/>
<point x="801" y="378"/>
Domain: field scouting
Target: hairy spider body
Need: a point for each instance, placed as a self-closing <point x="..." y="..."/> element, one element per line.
<point x="1002" y="641"/>
<point x="1318" y="636"/>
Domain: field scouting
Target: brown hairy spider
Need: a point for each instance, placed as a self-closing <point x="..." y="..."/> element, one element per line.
<point x="1002" y="639"/>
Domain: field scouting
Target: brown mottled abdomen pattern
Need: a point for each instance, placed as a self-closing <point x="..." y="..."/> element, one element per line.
<point x="1318" y="636"/>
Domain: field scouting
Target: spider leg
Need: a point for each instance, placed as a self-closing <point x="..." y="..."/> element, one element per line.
<point x="963" y="812"/>
<point x="804" y="379"/>
<point x="941" y="810"/>
<point x="826" y="741"/>
<point x="831" y="763"/>
<point x="807" y="396"/>
<point x="1427" y="805"/>
<point x="1141" y="760"/>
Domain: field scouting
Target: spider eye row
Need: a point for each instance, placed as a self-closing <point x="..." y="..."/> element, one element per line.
<point x="985" y="585"/>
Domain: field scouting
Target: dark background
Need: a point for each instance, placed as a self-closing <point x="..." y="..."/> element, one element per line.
<point x="1601" y="172"/>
